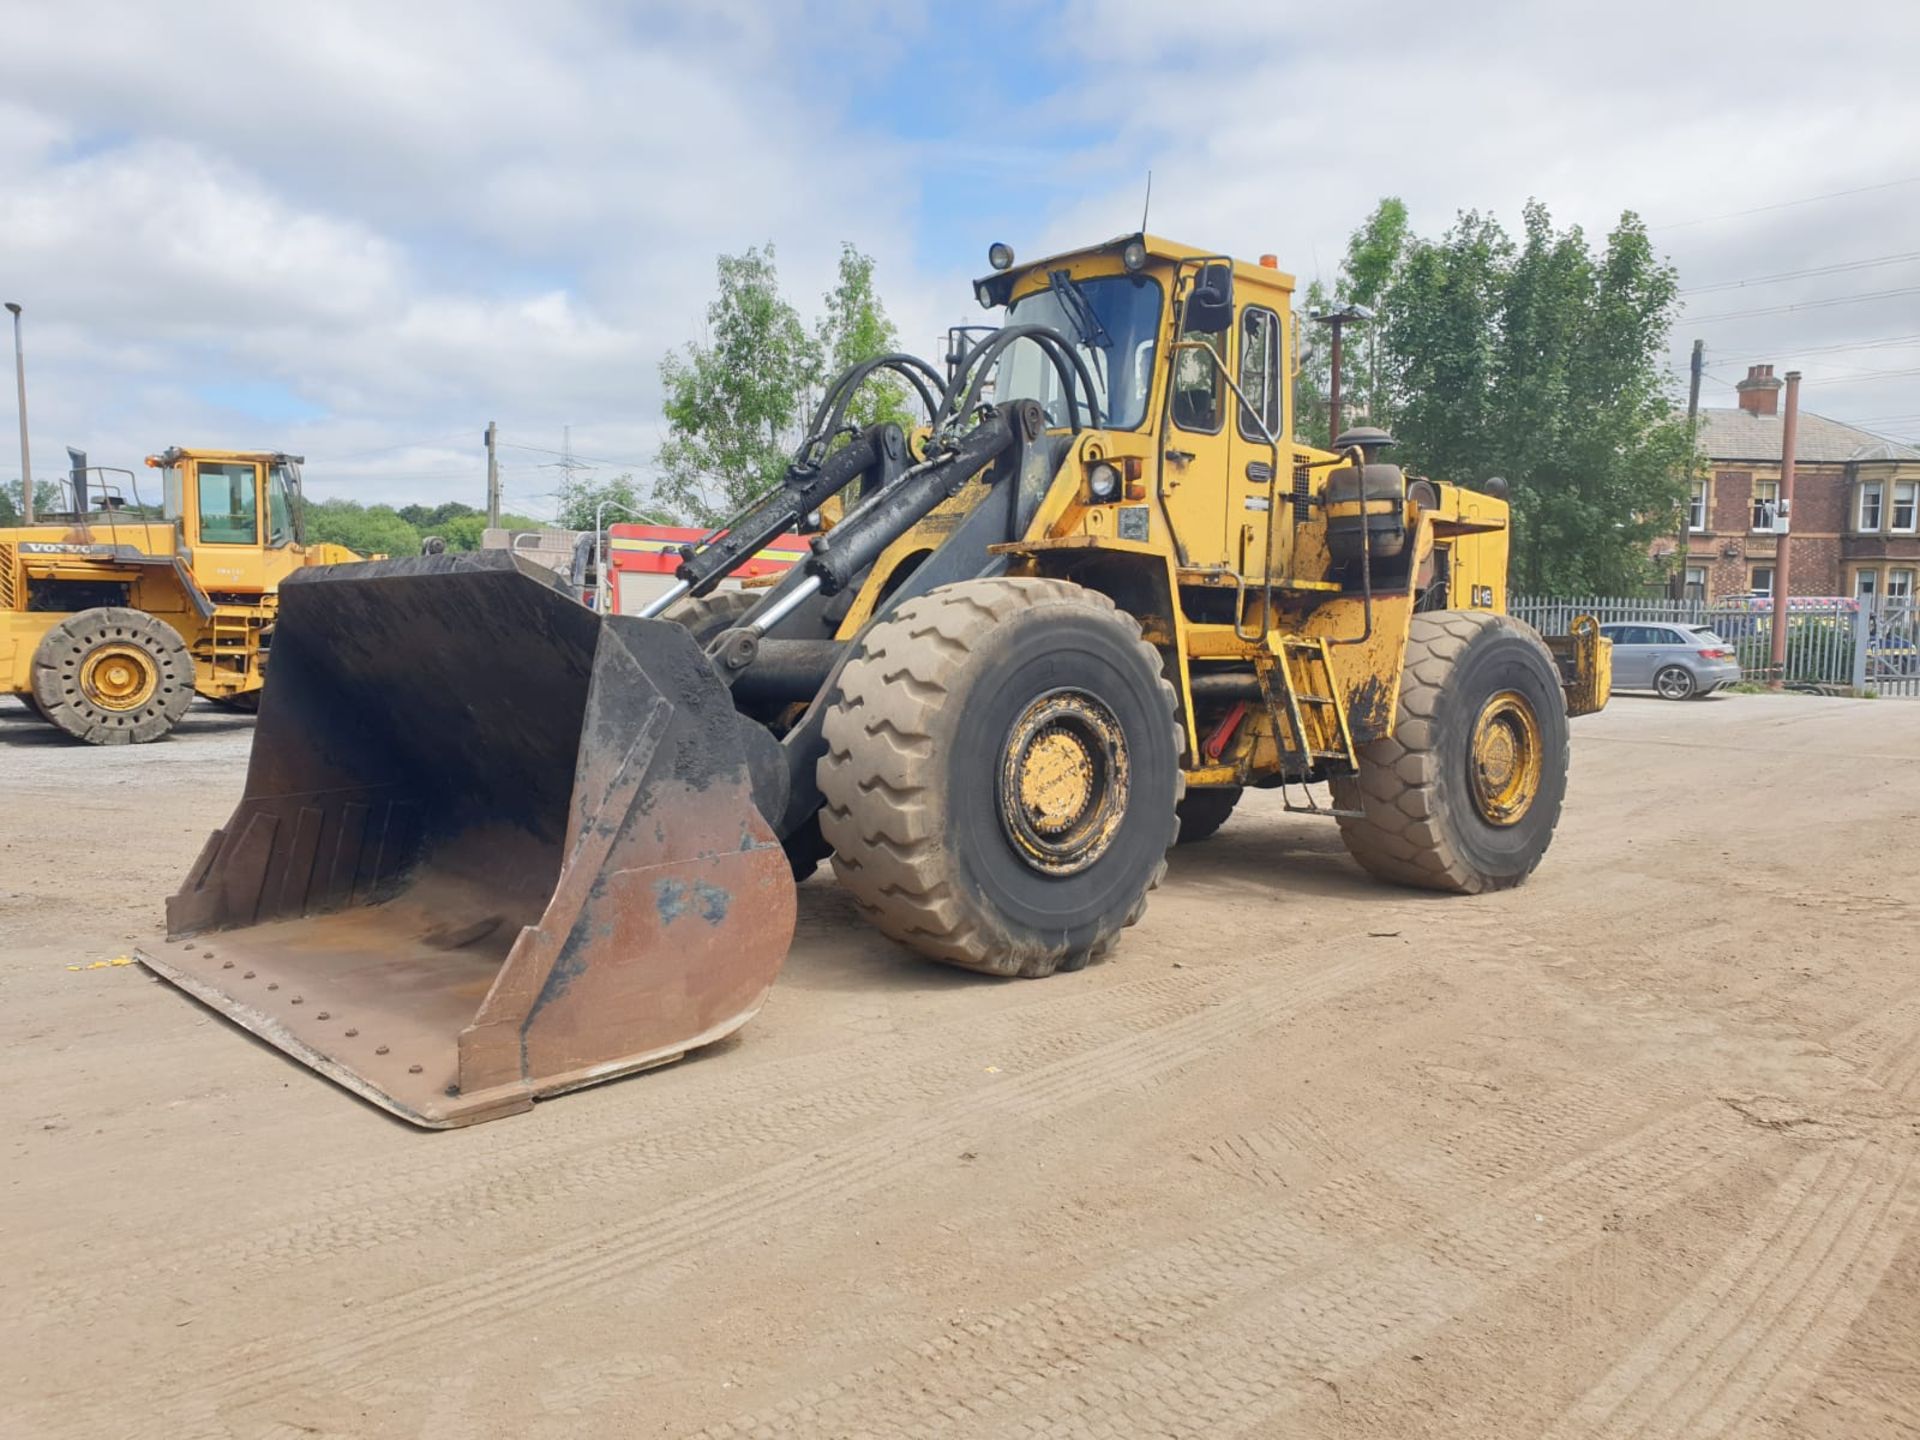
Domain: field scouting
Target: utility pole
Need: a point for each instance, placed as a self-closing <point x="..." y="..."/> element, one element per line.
<point x="20" y="380"/>
<point x="1697" y="365"/>
<point x="1337" y="321"/>
<point x="1789" y="436"/>
<point x="493" y="476"/>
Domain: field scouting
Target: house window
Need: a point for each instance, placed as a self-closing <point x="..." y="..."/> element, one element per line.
<point x="1696" y="582"/>
<point x="1906" y="505"/>
<point x="1900" y="587"/>
<point x="1866" y="586"/>
<point x="1766" y="504"/>
<point x="1761" y="582"/>
<point x="1872" y="499"/>
<point x="1697" y="508"/>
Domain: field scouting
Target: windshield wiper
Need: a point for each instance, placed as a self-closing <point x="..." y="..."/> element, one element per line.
<point x="1092" y="333"/>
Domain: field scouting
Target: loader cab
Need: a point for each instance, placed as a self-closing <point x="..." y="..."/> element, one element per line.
<point x="1191" y="358"/>
<point x="237" y="515"/>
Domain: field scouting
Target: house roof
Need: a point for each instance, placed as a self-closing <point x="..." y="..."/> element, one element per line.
<point x="1734" y="434"/>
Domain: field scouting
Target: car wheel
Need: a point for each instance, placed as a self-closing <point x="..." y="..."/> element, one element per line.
<point x="1675" y="682"/>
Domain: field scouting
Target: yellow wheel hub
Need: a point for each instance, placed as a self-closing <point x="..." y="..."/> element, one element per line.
<point x="1505" y="759"/>
<point x="1063" y="782"/>
<point x="1056" y="780"/>
<point x="119" y="677"/>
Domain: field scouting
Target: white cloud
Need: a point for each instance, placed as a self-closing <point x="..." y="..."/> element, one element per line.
<point x="407" y="220"/>
<point x="411" y="219"/>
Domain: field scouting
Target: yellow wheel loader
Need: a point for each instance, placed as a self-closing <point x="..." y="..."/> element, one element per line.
<point x="112" y="620"/>
<point x="493" y="847"/>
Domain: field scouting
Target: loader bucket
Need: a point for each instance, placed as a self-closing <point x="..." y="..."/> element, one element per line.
<point x="491" y="847"/>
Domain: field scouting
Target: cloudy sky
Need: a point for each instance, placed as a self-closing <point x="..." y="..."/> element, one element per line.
<point x="360" y="231"/>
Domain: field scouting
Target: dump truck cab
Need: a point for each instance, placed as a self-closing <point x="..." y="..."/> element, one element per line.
<point x="113" y="616"/>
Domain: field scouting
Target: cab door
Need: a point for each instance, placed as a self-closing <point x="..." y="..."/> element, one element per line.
<point x="1198" y="448"/>
<point x="1256" y="494"/>
<point x="282" y="554"/>
<point x="223" y="525"/>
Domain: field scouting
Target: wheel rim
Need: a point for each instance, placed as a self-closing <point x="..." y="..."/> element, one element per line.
<point x="119" y="677"/>
<point x="1063" y="782"/>
<point x="1505" y="759"/>
<point x="1674" y="683"/>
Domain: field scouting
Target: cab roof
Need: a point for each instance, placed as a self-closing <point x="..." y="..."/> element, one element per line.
<point x="174" y="454"/>
<point x="998" y="285"/>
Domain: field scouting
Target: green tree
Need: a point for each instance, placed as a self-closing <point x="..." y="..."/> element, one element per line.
<point x="465" y="532"/>
<point x="734" y="399"/>
<point x="855" y="327"/>
<point x="1539" y="361"/>
<point x="1375" y="255"/>
<point x="364" y="529"/>
<point x="433" y="519"/>
<point x="48" y="499"/>
<point x="579" y="499"/>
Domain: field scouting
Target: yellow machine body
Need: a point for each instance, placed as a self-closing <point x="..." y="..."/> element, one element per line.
<point x="493" y="846"/>
<point x="1218" y="542"/>
<point x="209" y="568"/>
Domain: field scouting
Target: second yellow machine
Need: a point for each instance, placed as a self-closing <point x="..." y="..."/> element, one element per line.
<point x="493" y="846"/>
<point x="113" y="618"/>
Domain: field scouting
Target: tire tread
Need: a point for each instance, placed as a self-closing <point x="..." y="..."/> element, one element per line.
<point x="1399" y="835"/>
<point x="881" y="814"/>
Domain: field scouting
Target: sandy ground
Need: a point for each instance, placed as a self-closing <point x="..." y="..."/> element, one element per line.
<point x="1631" y="1151"/>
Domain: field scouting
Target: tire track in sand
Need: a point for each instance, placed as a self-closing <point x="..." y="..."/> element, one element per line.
<point x="1752" y="1337"/>
<point x="1754" y="1332"/>
<point x="1120" y="1336"/>
<point x="641" y="1253"/>
<point x="783" y="1106"/>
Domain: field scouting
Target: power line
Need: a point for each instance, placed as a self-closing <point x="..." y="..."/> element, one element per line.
<point x="1803" y="274"/>
<point x="386" y="449"/>
<point x="1851" y="375"/>
<point x="1803" y="305"/>
<point x="1787" y="204"/>
<point x="593" y="459"/>
<point x="1881" y="343"/>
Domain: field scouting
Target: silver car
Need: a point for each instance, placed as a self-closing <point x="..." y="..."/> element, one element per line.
<point x="1676" y="662"/>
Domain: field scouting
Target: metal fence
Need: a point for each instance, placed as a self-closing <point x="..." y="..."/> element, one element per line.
<point x="1832" y="643"/>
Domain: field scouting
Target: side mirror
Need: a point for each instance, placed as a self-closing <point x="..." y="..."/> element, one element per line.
<point x="1210" y="303"/>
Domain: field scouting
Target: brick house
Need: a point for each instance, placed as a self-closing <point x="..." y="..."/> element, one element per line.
<point x="1856" y="505"/>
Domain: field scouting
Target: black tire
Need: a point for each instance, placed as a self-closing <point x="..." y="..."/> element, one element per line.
<point x="32" y="706"/>
<point x="953" y="721"/>
<point x="708" y="615"/>
<point x="1204" y="811"/>
<point x="807" y="849"/>
<point x="113" y="676"/>
<point x="246" y="702"/>
<point x="1675" y="682"/>
<point x="1425" y="818"/>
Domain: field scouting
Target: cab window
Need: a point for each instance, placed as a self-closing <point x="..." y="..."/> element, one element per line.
<point x="1259" y="373"/>
<point x="279" y="509"/>
<point x="229" y="508"/>
<point x="1197" y="385"/>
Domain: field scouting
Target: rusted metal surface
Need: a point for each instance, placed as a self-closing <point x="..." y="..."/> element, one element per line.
<point x="491" y="846"/>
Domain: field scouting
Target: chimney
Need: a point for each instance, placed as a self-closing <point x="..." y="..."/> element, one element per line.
<point x="1759" y="392"/>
